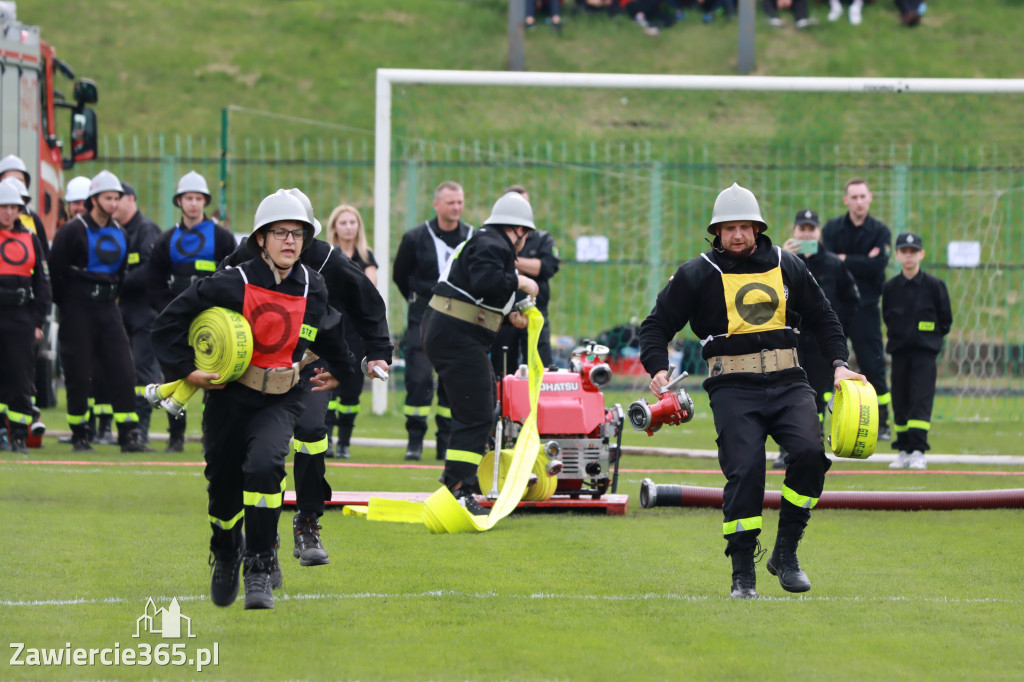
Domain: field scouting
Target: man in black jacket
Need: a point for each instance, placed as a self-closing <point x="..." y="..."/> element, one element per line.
<point x="474" y="294"/>
<point x="744" y="299"/>
<point x="136" y="313"/>
<point x="864" y="243"/>
<point x="840" y="290"/>
<point x="421" y="257"/>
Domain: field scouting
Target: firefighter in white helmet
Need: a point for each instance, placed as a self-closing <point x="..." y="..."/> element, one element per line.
<point x="183" y="254"/>
<point x="24" y="307"/>
<point x="248" y="423"/>
<point x="76" y="194"/>
<point x="12" y="168"/>
<point x="744" y="299"/>
<point x="87" y="268"/>
<point x="472" y="299"/>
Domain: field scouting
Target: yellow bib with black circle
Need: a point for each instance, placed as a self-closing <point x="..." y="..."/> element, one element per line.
<point x="755" y="303"/>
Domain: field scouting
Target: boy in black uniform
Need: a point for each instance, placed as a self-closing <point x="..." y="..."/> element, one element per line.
<point x="351" y="293"/>
<point x="539" y="261"/>
<point x="840" y="290"/>
<point x="248" y="423"/>
<point x="421" y="257"/>
<point x="744" y="299"/>
<point x="136" y="313"/>
<point x="862" y="242"/>
<point x="182" y="255"/>
<point x="473" y="295"/>
<point x="87" y="267"/>
<point x="916" y="310"/>
<point x="24" y="306"/>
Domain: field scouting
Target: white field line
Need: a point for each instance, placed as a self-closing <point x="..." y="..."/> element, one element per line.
<point x="537" y="596"/>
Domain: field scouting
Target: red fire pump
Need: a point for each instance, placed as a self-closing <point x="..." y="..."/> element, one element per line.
<point x="581" y="437"/>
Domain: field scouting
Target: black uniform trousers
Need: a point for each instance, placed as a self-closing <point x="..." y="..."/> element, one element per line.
<point x="747" y="409"/>
<point x="245" y="444"/>
<point x="865" y="335"/>
<point x="419" y="382"/>
<point x="94" y="352"/>
<point x="820" y="374"/>
<point x="17" y="365"/>
<point x="351" y="387"/>
<point x="914" y="373"/>
<point x="311" y="444"/>
<point x="516" y="341"/>
<point x="460" y="352"/>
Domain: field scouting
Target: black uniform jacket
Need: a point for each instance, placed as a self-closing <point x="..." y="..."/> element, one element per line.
<point x="840" y="235"/>
<point x="415" y="269"/>
<point x="69" y="261"/>
<point x="484" y="268"/>
<point x="349" y="291"/>
<point x="164" y="283"/>
<point x="916" y="312"/>
<point x="837" y="283"/>
<point x="226" y="288"/>
<point x="34" y="289"/>
<point x="696" y="295"/>
<point x="142" y="234"/>
<point x="540" y="244"/>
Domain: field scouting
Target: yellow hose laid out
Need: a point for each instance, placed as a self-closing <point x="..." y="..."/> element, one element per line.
<point x="222" y="341"/>
<point x="441" y="513"/>
<point x="854" y="420"/>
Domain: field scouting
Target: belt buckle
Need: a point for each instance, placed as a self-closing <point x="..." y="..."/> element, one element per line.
<point x="763" y="351"/>
<point x="481" y="318"/>
<point x="266" y="377"/>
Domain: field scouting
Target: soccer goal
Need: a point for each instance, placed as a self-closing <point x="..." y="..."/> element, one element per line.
<point x="623" y="171"/>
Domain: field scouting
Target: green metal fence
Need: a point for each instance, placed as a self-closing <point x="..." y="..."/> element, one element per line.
<point x="652" y="202"/>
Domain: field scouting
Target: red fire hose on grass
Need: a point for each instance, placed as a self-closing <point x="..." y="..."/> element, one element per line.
<point x="652" y="495"/>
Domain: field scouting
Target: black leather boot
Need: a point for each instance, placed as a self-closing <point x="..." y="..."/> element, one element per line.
<point x="783" y="562"/>
<point x="176" y="433"/>
<point x="346" y="425"/>
<point x="414" y="450"/>
<point x="744" y="575"/>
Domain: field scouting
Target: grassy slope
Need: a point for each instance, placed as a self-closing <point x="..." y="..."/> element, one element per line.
<point x="170" y="66"/>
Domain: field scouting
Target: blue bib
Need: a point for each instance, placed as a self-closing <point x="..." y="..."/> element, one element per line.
<point x="107" y="249"/>
<point x="194" y="246"/>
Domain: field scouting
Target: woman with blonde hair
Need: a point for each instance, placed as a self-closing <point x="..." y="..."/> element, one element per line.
<point x="346" y="232"/>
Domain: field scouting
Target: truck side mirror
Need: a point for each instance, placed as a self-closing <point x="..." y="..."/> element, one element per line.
<point x="85" y="92"/>
<point x="83" y="136"/>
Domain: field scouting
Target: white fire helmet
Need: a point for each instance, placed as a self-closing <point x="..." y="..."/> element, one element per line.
<point x="735" y="203"/>
<point x="192" y="182"/>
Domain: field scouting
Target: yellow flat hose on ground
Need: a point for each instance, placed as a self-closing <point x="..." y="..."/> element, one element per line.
<point x="542" y="490"/>
<point x="222" y="341"/>
<point x="441" y="513"/>
<point x="854" y="420"/>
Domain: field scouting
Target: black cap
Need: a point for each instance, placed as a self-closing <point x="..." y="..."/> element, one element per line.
<point x="807" y="217"/>
<point x="909" y="240"/>
<point x="129" y="191"/>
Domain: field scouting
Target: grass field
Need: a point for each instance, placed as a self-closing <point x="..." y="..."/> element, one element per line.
<point x="897" y="595"/>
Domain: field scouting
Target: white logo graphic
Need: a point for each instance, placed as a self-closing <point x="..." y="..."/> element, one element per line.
<point x="807" y="214"/>
<point x="164" y="622"/>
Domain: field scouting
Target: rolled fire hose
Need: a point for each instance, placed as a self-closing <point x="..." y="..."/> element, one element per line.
<point x="854" y="420"/>
<point x="652" y="495"/>
<point x="222" y="341"/>
<point x="544" y="487"/>
<point x="441" y="512"/>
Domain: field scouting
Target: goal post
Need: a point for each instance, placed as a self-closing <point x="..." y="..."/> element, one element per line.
<point x="959" y="180"/>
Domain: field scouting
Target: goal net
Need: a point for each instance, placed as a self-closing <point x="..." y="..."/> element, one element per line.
<point x="623" y="170"/>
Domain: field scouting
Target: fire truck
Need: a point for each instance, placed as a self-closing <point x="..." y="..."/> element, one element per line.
<point x="29" y="102"/>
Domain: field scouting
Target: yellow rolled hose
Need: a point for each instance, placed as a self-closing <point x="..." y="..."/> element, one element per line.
<point x="854" y="420"/>
<point x="542" y="490"/>
<point x="222" y="341"/>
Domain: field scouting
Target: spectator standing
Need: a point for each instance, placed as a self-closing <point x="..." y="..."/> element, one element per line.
<point x="187" y="252"/>
<point x="840" y="290"/>
<point x="421" y="257"/>
<point x="136" y="313"/>
<point x="863" y="243"/>
<point x="346" y="231"/>
<point x="915" y="306"/>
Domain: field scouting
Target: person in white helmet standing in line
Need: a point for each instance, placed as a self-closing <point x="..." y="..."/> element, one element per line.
<point x="87" y="268"/>
<point x="187" y="252"/>
<point x="24" y="307"/>
<point x="248" y="423"/>
<point x="744" y="299"/>
<point x="473" y="297"/>
<point x="75" y="195"/>
<point x="12" y="166"/>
